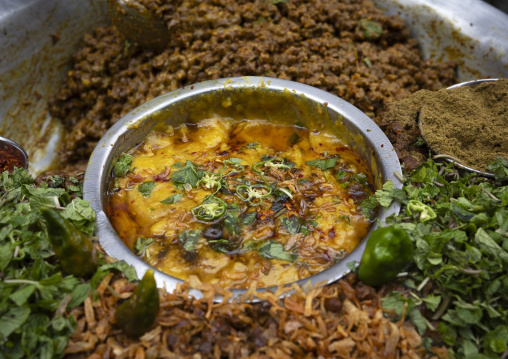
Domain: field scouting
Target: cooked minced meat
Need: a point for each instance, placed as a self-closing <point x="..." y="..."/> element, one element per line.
<point x="346" y="47"/>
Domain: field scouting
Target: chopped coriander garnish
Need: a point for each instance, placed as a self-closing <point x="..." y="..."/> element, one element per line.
<point x="141" y="245"/>
<point x="123" y="165"/>
<point x="189" y="174"/>
<point x="146" y="188"/>
<point x="323" y="164"/>
<point x="172" y="199"/>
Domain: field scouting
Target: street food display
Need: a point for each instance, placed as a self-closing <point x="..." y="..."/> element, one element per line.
<point x="447" y="299"/>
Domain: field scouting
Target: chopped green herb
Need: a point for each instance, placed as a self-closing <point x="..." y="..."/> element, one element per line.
<point x="189" y="174"/>
<point x="177" y="165"/>
<point x="323" y="164"/>
<point x="220" y="245"/>
<point x="419" y="142"/>
<point x="248" y="218"/>
<point x="146" y="188"/>
<point x="341" y="175"/>
<point x="123" y="165"/>
<point x="231" y="222"/>
<point x="291" y="223"/>
<point x="294" y="139"/>
<point x="141" y="245"/>
<point x="500" y="168"/>
<point x="275" y="250"/>
<point x="367" y="62"/>
<point x="189" y="239"/>
<point x="172" y="199"/>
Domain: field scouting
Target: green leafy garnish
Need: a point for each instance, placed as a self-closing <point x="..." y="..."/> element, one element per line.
<point x="248" y="218"/>
<point x="294" y="139"/>
<point x="220" y="245"/>
<point x="458" y="223"/>
<point x="141" y="245"/>
<point x="232" y="222"/>
<point x="323" y="164"/>
<point x="188" y="174"/>
<point x="275" y="250"/>
<point x="189" y="239"/>
<point x="33" y="286"/>
<point x="500" y="168"/>
<point x="172" y="199"/>
<point x="123" y="165"/>
<point x="146" y="188"/>
<point x="291" y="223"/>
<point x="81" y="215"/>
<point x="419" y="142"/>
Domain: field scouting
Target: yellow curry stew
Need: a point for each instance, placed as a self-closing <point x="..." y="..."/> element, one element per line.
<point x="240" y="202"/>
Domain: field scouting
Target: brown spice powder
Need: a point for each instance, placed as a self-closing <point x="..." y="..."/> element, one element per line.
<point x="469" y="123"/>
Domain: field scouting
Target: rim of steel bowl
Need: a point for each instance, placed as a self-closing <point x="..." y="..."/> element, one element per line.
<point x="132" y="128"/>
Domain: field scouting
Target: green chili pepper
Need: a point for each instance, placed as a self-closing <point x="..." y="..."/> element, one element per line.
<point x="426" y="213"/>
<point x="388" y="252"/>
<point x="276" y="162"/>
<point x="138" y="313"/>
<point x="211" y="209"/>
<point x="72" y="247"/>
<point x="253" y="194"/>
<point x="211" y="180"/>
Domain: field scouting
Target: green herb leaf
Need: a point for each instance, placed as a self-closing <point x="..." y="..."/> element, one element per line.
<point x="369" y="206"/>
<point x="81" y="215"/>
<point x="247" y="219"/>
<point x="323" y="164"/>
<point x="420" y="142"/>
<point x="220" y="245"/>
<point x="172" y="199"/>
<point x="189" y="239"/>
<point x="291" y="223"/>
<point x="275" y="250"/>
<point x="123" y="165"/>
<point x="141" y="245"/>
<point x="294" y="139"/>
<point x="188" y="174"/>
<point x="500" y="168"/>
<point x="231" y="222"/>
<point x="146" y="188"/>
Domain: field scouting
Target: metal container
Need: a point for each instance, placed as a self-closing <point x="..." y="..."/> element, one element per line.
<point x="275" y="99"/>
<point x="37" y="38"/>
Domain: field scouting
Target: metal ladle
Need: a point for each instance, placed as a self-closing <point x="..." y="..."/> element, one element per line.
<point x="9" y="148"/>
<point x="447" y="157"/>
<point x="139" y="25"/>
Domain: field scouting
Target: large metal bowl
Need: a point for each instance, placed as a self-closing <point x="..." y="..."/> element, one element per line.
<point x="273" y="98"/>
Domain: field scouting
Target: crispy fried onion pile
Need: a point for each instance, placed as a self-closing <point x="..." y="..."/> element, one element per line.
<point x="342" y="320"/>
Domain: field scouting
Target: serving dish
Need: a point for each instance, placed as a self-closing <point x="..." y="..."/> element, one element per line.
<point x="298" y="102"/>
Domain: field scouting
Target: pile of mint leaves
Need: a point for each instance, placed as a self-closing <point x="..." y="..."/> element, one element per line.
<point x="35" y="294"/>
<point x="459" y="280"/>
